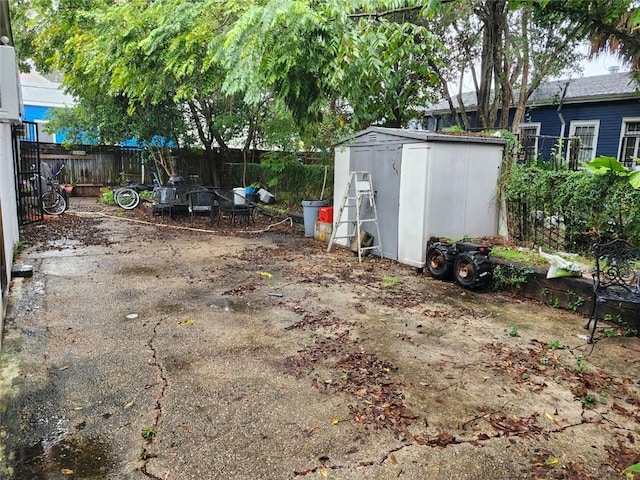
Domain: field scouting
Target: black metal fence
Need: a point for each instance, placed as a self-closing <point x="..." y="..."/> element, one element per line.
<point x="529" y="224"/>
<point x="555" y="152"/>
<point x="27" y="165"/>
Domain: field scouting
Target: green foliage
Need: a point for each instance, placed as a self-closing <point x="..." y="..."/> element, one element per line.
<point x="631" y="470"/>
<point x="513" y="331"/>
<point x="594" y="207"/>
<point x="575" y="301"/>
<point x="581" y="365"/>
<point x="388" y="282"/>
<point x="318" y="56"/>
<point x="107" y="198"/>
<point x="588" y="400"/>
<point x="555" y="345"/>
<point x="522" y="256"/>
<point x="454" y="129"/>
<point x="148" y="433"/>
<point x="18" y="246"/>
<point x="510" y="276"/>
<point x="290" y="180"/>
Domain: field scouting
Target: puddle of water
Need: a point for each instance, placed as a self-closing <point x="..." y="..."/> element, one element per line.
<point x="62" y="458"/>
<point x="233" y="305"/>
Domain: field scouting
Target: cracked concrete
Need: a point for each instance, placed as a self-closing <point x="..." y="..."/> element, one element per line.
<point x="174" y="332"/>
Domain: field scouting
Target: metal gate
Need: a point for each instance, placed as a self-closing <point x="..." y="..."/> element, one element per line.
<point x="26" y="150"/>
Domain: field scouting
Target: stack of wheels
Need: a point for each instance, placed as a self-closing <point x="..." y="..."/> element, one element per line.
<point x="126" y="198"/>
<point x="470" y="268"/>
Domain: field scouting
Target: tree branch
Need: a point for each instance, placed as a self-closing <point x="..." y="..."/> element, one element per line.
<point x="377" y="15"/>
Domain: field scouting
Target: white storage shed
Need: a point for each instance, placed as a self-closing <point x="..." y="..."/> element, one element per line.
<point x="426" y="185"/>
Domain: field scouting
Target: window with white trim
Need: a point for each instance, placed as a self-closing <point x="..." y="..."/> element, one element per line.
<point x="528" y="135"/>
<point x="630" y="142"/>
<point x="44" y="137"/>
<point x="587" y="133"/>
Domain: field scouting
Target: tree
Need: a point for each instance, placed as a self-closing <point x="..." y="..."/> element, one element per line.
<point x="508" y="48"/>
<point x="146" y="60"/>
<point x="609" y="25"/>
<point x="313" y="55"/>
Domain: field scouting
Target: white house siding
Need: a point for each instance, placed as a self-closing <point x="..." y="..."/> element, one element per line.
<point x="9" y="231"/>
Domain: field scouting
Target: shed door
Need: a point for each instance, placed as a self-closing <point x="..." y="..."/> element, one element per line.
<point x="412" y="212"/>
<point x="383" y="162"/>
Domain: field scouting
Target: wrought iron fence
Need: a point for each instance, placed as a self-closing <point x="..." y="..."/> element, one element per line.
<point x="555" y="152"/>
<point x="27" y="165"/>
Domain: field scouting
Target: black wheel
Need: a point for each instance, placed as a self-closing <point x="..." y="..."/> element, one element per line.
<point x="437" y="264"/>
<point x="471" y="270"/>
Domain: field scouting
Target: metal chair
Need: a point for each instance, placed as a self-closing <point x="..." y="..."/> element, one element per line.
<point x="165" y="199"/>
<point x="228" y="207"/>
<point x="202" y="202"/>
<point x="616" y="277"/>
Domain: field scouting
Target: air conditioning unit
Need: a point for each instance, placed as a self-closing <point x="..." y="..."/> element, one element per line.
<point x="10" y="96"/>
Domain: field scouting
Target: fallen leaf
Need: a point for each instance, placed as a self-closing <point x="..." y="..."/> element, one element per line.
<point x="393" y="459"/>
<point x="187" y="322"/>
<point x="551" y="461"/>
<point x="66" y="471"/>
<point x="129" y="405"/>
<point x="265" y="274"/>
<point x="335" y="421"/>
<point x="549" y="416"/>
<point x="324" y="472"/>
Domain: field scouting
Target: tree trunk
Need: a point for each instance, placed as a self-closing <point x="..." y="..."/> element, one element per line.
<point x="493" y="17"/>
<point x="524" y="84"/>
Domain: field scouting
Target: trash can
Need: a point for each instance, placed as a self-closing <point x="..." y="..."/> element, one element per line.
<point x="239" y="196"/>
<point x="310" y="209"/>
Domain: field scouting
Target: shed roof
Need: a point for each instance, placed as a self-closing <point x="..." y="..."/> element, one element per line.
<point x="600" y="88"/>
<point x="39" y="91"/>
<point x="381" y="135"/>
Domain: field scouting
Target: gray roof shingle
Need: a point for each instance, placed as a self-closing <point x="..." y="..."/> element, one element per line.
<point x="612" y="86"/>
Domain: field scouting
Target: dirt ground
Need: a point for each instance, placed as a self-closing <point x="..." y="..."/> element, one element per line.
<point x="150" y="347"/>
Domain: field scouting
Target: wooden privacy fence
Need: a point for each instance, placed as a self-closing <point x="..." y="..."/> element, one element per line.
<point x="89" y="168"/>
<point x="98" y="166"/>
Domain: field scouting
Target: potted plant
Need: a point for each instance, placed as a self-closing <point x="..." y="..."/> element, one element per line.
<point x="68" y="187"/>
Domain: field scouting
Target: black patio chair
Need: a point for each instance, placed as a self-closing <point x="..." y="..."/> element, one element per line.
<point x="615" y="276"/>
<point x="201" y="202"/>
<point x="228" y="207"/>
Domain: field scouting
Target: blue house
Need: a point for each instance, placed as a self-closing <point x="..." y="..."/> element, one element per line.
<point x="601" y="114"/>
<point x="40" y="96"/>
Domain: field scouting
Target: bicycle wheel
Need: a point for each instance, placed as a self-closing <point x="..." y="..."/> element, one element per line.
<point x="53" y="203"/>
<point x="127" y="198"/>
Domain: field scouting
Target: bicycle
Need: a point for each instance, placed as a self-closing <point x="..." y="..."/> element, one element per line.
<point x="54" y="199"/>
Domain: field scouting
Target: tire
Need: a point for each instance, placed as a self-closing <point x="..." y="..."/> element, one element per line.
<point x="53" y="204"/>
<point x="127" y="198"/>
<point x="437" y="262"/>
<point x="65" y="195"/>
<point x="472" y="270"/>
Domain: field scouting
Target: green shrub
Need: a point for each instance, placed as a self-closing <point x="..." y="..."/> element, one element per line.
<point x="594" y="207"/>
<point x="290" y="180"/>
